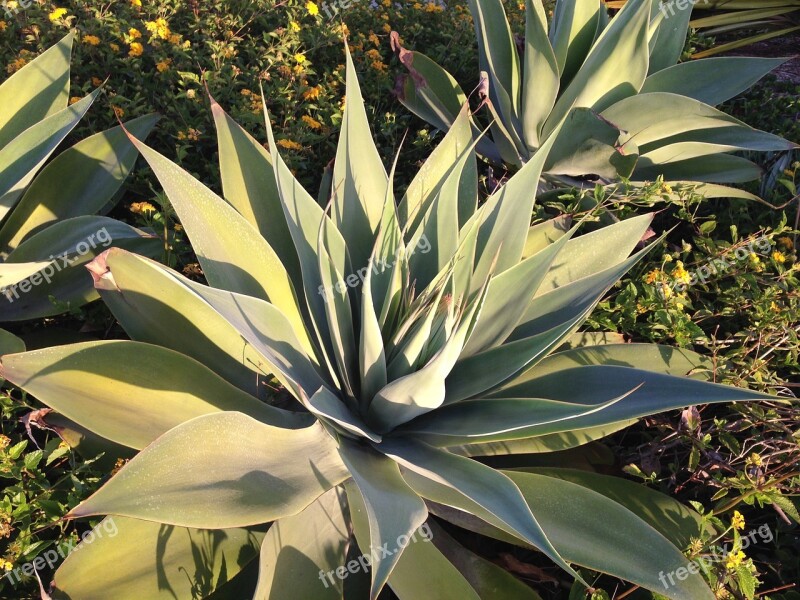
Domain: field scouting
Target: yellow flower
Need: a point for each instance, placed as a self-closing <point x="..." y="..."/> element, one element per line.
<point x="114" y="47"/>
<point x="190" y="94"/>
<point x="680" y="274"/>
<point x="136" y="49"/>
<point x="374" y="39"/>
<point x="4" y="441"/>
<point x="163" y="65"/>
<point x="778" y="257"/>
<point x="652" y="276"/>
<point x="118" y="111"/>
<point x="12" y="5"/>
<point x="311" y="122"/>
<point x="96" y="81"/>
<point x="379" y="66"/>
<point x="158" y="28"/>
<point x="174" y="38"/>
<point x="74" y="99"/>
<point x="737" y="521"/>
<point x="6" y="565"/>
<point x="734" y="559"/>
<point x="312" y="8"/>
<point x="293" y="26"/>
<point x="142" y="208"/>
<point x="134" y="33"/>
<point x="755" y="459"/>
<point x="2" y="26"/>
<point x="312" y="93"/>
<point x="289" y="145"/>
<point x="92" y="40"/>
<point x="300" y="58"/>
<point x="136" y="3"/>
<point x="57" y="14"/>
<point x="387" y="28"/>
<point x="432" y="7"/>
<point x="16" y="65"/>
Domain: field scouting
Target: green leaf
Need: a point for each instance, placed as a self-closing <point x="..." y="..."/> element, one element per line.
<point x="669" y="37"/>
<point x="463" y="482"/>
<point x="232" y="252"/>
<point x="222" y="470"/>
<point x="248" y="183"/>
<point x="62" y="283"/>
<point x="359" y="178"/>
<point x="613" y="540"/>
<point x="300" y="550"/>
<point x="615" y="68"/>
<point x="38" y="90"/>
<point x="540" y="75"/>
<point x="161" y="562"/>
<point x="23" y="156"/>
<point x="713" y="80"/>
<point x="129" y="392"/>
<point x="422" y="570"/>
<point x="393" y="509"/>
<point x="572" y="33"/>
<point x="10" y="344"/>
<point x="80" y="181"/>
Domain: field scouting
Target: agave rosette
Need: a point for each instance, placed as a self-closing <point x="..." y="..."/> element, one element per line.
<point x="411" y="337"/>
<point x="49" y="226"/>
<point x="631" y="109"/>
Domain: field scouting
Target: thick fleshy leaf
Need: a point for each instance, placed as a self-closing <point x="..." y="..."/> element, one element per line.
<point x="329" y="407"/>
<point x="143" y="294"/>
<point x="429" y="91"/>
<point x="38" y="90"/>
<point x="82" y="180"/>
<point x="23" y="156"/>
<point x="676" y="522"/>
<point x="498" y="57"/>
<point x="615" y="68"/>
<point x="300" y="553"/>
<point x="541" y="235"/>
<point x="222" y="470"/>
<point x="161" y="562"/>
<point x="12" y="273"/>
<point x="572" y="33"/>
<point x="248" y="183"/>
<point x="393" y="509"/>
<point x="129" y="392"/>
<point x="653" y="392"/>
<point x="669" y="38"/>
<point x="581" y="258"/>
<point x="540" y="75"/>
<point x="716" y="168"/>
<point x="464" y="483"/>
<point x="612" y="540"/>
<point x="234" y="255"/>
<point x="422" y="570"/>
<point x="10" y="344"/>
<point x="359" y="178"/>
<point x="713" y="80"/>
<point x="68" y="245"/>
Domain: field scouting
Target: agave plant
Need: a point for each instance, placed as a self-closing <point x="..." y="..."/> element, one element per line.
<point x="408" y="339"/>
<point x="48" y="227"/>
<point x="631" y="110"/>
<point x="765" y="19"/>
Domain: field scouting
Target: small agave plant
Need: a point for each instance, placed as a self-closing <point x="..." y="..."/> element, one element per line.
<point x="48" y="210"/>
<point x="415" y="341"/>
<point x="631" y="110"/>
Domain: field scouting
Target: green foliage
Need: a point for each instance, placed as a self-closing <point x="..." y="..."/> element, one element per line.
<point x="46" y="227"/>
<point x="607" y="79"/>
<point x="411" y="337"/>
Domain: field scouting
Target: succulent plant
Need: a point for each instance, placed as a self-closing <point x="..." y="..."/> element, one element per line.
<point x="631" y="111"/>
<point x="48" y="222"/>
<point x="407" y="341"/>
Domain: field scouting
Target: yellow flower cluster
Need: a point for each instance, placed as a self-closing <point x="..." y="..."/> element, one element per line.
<point x="57" y="14"/>
<point x="734" y="559"/>
<point x="92" y="40"/>
<point x="16" y="65"/>
<point x="289" y="145"/>
<point x="4" y="441"/>
<point x="6" y="565"/>
<point x="737" y="521"/>
<point x="779" y="257"/>
<point x="312" y="8"/>
<point x="190" y="134"/>
<point x="136" y="49"/>
<point x="142" y="208"/>
<point x="652" y="276"/>
<point x="312" y="93"/>
<point x="158" y="28"/>
<point x="311" y="122"/>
